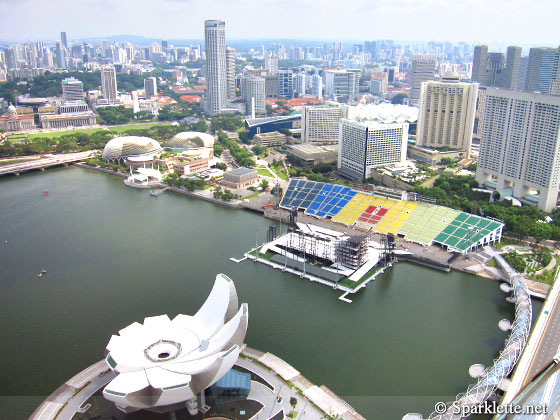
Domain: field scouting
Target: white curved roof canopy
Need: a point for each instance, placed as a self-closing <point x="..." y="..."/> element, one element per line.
<point x="164" y="362"/>
<point x="191" y="139"/>
<point x="126" y="146"/>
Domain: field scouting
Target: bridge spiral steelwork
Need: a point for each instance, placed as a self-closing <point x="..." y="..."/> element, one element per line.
<point x="503" y="365"/>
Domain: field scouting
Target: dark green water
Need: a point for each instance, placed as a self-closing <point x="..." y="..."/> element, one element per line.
<point x="115" y="255"/>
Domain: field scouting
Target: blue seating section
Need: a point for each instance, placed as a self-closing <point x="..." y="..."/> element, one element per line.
<point x="330" y="200"/>
<point x="300" y="193"/>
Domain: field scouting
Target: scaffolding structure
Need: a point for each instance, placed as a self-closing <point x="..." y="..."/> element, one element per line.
<point x="353" y="251"/>
<point x="271" y="233"/>
<point x="310" y="247"/>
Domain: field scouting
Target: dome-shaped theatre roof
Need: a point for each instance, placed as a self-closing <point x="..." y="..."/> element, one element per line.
<point x="191" y="139"/>
<point x="130" y="146"/>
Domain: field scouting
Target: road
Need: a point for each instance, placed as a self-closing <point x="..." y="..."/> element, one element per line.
<point x="44" y="162"/>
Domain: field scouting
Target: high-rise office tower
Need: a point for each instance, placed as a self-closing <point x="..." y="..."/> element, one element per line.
<point x="300" y="84"/>
<point x="150" y="87"/>
<point x="215" y="44"/>
<point x="72" y="89"/>
<point x="230" y="65"/>
<point x="509" y="76"/>
<point x="423" y="70"/>
<point x="364" y="145"/>
<point x="271" y="63"/>
<point x="317" y="86"/>
<point x="164" y="44"/>
<point x="446" y="113"/>
<point x="523" y="65"/>
<point x="340" y="85"/>
<point x="63" y="40"/>
<point x="285" y="83"/>
<point x="320" y="124"/>
<point x="541" y="69"/>
<point x="60" y="55"/>
<point x="253" y="93"/>
<point x="520" y="146"/>
<point x="495" y="69"/>
<point x="109" y="84"/>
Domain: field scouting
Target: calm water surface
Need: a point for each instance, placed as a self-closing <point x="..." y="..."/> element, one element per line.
<point x="115" y="255"/>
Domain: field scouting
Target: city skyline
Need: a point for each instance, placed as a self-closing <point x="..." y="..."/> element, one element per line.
<point x="403" y="20"/>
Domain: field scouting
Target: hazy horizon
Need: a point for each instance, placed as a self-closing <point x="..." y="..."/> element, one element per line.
<point x="501" y="22"/>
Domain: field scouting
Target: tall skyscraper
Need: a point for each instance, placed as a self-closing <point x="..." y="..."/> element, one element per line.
<point x="72" y="89"/>
<point x="253" y="93"/>
<point x="495" y="69"/>
<point x="285" y="83"/>
<point x="446" y="113"/>
<point x="215" y="44"/>
<point x="150" y="87"/>
<point x="317" y="86"/>
<point x="271" y="63"/>
<point x="520" y="146"/>
<point x="423" y="70"/>
<point x="364" y="145"/>
<point x="230" y="66"/>
<point x="60" y="55"/>
<point x="63" y="40"/>
<point x="509" y="76"/>
<point x="541" y="69"/>
<point x="479" y="64"/>
<point x="109" y="84"/>
<point x="300" y="84"/>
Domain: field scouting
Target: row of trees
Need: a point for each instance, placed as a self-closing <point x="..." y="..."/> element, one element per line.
<point x="78" y="141"/>
<point x="190" y="184"/>
<point x="241" y="156"/>
<point x="224" y="194"/>
<point x="50" y="84"/>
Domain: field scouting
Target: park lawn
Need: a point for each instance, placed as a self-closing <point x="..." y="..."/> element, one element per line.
<point x="265" y="172"/>
<point x="115" y="129"/>
<point x="58" y="134"/>
<point x="251" y="195"/>
<point x="121" y="128"/>
<point x="280" y="174"/>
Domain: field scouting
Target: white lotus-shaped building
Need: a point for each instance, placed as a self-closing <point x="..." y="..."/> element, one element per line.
<point x="164" y="362"/>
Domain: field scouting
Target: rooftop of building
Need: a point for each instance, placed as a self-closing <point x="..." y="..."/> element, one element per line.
<point x="241" y="171"/>
<point x="263" y="120"/>
<point x="309" y="148"/>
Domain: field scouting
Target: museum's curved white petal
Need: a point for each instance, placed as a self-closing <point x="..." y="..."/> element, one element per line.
<point x="163" y="362"/>
<point x="161" y="378"/>
<point x="127" y="383"/>
<point x="219" y="307"/>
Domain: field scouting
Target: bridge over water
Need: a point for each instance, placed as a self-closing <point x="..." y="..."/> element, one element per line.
<point x="45" y="162"/>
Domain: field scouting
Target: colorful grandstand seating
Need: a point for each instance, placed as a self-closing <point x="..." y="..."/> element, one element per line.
<point x="415" y="221"/>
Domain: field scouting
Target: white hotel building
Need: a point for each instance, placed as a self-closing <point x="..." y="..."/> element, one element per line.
<point x="520" y="147"/>
<point x="365" y="145"/>
<point x="446" y="113"/>
<point x="320" y="124"/>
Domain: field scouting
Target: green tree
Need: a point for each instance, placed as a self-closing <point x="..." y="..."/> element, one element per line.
<point x="399" y="98"/>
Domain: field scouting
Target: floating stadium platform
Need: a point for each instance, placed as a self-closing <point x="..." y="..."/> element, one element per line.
<point x="413" y="220"/>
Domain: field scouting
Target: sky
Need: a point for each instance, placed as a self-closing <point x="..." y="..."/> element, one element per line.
<point x="511" y="22"/>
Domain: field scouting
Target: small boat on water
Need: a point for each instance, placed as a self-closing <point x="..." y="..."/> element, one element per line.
<point x="42" y="273"/>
